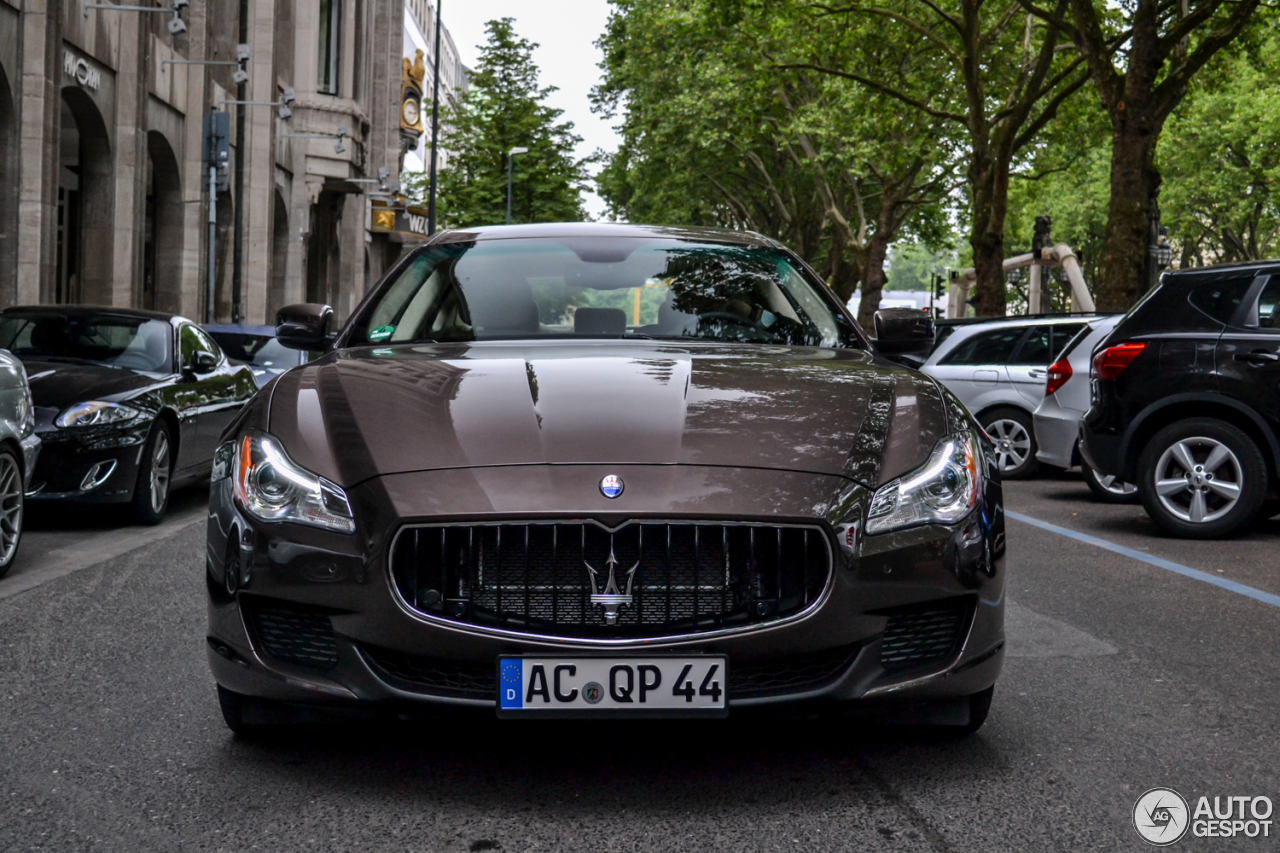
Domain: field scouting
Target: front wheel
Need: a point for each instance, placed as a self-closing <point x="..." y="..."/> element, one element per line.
<point x="1202" y="478"/>
<point x="151" y="493"/>
<point x="1015" y="440"/>
<point x="1107" y="489"/>
<point x="11" y="507"/>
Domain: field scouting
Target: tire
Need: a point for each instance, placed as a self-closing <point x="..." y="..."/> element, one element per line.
<point x="1015" y="438"/>
<point x="151" y="492"/>
<point x="11" y="509"/>
<point x="1108" y="490"/>
<point x="233" y="707"/>
<point x="1212" y="476"/>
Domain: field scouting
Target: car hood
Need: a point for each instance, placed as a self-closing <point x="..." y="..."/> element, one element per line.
<point x="58" y="384"/>
<point x="360" y="413"/>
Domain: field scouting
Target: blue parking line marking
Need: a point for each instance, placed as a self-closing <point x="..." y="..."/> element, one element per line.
<point x="1185" y="571"/>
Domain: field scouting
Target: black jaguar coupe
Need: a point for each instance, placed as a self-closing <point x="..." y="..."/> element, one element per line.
<point x="598" y="470"/>
<point x="129" y="404"/>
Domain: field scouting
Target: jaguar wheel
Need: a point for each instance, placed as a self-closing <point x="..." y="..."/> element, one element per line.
<point x="11" y="507"/>
<point x="151" y="493"/>
<point x="1014" y="437"/>
<point x="1202" y="478"/>
<point x="1108" y="489"/>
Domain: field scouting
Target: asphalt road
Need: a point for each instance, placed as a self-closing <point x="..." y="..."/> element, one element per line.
<point x="1122" y="676"/>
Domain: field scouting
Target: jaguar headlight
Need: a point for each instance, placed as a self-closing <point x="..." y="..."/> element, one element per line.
<point x="942" y="491"/>
<point x="96" y="413"/>
<point x="272" y="487"/>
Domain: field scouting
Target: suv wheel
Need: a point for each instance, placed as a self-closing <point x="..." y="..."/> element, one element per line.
<point x="1015" y="440"/>
<point x="1108" y="489"/>
<point x="1201" y="478"/>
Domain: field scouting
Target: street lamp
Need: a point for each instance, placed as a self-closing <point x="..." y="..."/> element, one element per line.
<point x="1162" y="250"/>
<point x="510" y="156"/>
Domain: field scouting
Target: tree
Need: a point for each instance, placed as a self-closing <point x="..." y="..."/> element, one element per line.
<point x="984" y="68"/>
<point x="1142" y="56"/>
<point x="1220" y="156"/>
<point x="713" y="134"/>
<point x="503" y="109"/>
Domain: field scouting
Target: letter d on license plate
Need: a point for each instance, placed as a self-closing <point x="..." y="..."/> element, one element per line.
<point x="612" y="687"/>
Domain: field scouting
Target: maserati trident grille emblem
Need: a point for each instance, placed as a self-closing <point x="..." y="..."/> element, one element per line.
<point x="612" y="598"/>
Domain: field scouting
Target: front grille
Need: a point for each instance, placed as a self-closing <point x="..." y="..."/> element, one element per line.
<point x="924" y="634"/>
<point x="792" y="674"/>
<point x="292" y="633"/>
<point x="581" y="580"/>
<point x="437" y="677"/>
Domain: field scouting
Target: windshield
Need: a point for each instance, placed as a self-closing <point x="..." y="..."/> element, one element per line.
<point x="599" y="288"/>
<point x="258" y="350"/>
<point x="119" y="341"/>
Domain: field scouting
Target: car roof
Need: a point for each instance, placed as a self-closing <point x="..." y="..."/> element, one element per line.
<point x="87" y="310"/>
<point x="1267" y="267"/>
<point x="552" y="230"/>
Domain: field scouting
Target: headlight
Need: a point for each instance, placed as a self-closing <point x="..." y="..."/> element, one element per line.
<point x="26" y="414"/>
<point x="271" y="487"/>
<point x="941" y="491"/>
<point x="96" y="413"/>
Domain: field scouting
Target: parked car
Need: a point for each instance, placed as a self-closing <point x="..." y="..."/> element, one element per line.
<point x="19" y="450"/>
<point x="127" y="403"/>
<point x="998" y="369"/>
<point x="603" y="470"/>
<point x="257" y="347"/>
<point x="1186" y="398"/>
<point x="1066" y="398"/>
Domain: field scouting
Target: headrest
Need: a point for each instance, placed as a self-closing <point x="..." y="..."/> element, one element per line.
<point x="502" y="309"/>
<point x="600" y="321"/>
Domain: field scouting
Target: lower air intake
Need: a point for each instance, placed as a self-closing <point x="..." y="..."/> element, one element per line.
<point x="924" y="635"/>
<point x="292" y="634"/>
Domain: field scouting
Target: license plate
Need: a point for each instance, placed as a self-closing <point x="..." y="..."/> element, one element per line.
<point x="612" y="687"/>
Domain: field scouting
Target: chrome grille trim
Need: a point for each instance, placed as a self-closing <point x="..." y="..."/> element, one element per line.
<point x="814" y="533"/>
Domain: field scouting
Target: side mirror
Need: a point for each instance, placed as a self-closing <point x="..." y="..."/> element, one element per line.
<point x="904" y="332"/>
<point x="304" y="326"/>
<point x="202" y="362"/>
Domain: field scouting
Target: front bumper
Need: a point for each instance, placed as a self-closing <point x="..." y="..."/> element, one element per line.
<point x="1057" y="430"/>
<point x="68" y="456"/>
<point x="378" y="644"/>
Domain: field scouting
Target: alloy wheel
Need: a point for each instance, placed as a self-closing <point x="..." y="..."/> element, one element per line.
<point x="1198" y="479"/>
<point x="160" y="472"/>
<point x="10" y="507"/>
<point x="1013" y="443"/>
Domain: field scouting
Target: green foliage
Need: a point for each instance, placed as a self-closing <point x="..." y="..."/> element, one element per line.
<point x="913" y="265"/>
<point x="503" y="109"/>
<point x="1220" y="157"/>
<point x="720" y="128"/>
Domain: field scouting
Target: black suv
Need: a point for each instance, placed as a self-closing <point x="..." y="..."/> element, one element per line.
<point x="1186" y="398"/>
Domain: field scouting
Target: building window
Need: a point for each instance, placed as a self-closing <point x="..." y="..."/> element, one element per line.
<point x="330" y="16"/>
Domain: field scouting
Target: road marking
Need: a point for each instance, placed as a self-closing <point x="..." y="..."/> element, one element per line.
<point x="1185" y="571"/>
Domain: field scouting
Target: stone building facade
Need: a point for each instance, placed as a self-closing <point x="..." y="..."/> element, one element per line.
<point x="100" y="152"/>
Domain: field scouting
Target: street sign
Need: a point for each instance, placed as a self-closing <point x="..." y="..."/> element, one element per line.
<point x="216" y="152"/>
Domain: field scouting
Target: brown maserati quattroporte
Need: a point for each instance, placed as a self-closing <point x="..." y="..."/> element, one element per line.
<point x="604" y="470"/>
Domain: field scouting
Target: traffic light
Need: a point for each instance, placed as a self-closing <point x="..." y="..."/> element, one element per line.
<point x="411" y="75"/>
<point x="216" y="151"/>
<point x="939" y="286"/>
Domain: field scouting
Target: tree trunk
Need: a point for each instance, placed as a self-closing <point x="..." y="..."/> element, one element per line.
<point x="990" y="205"/>
<point x="873" y="278"/>
<point x="1122" y="264"/>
